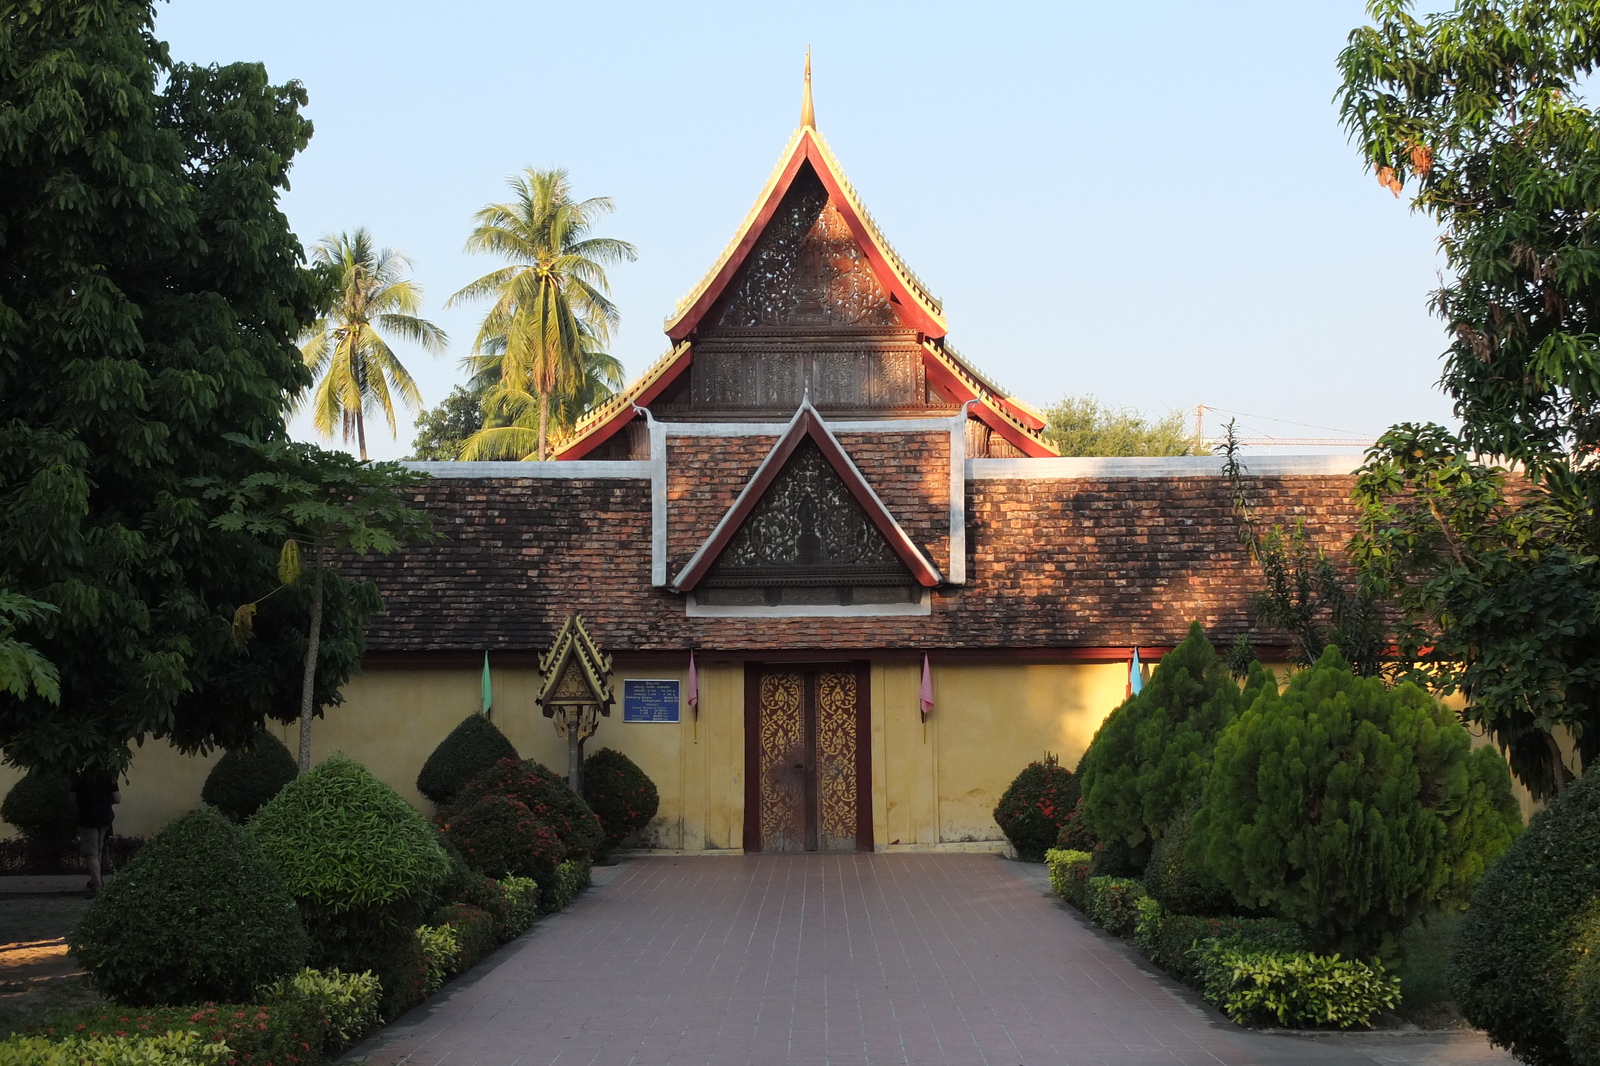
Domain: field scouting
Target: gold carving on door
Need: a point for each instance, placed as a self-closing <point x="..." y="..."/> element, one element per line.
<point x="783" y="751"/>
<point x="836" y="760"/>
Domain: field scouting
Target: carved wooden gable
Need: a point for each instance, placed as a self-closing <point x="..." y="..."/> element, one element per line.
<point x="807" y="269"/>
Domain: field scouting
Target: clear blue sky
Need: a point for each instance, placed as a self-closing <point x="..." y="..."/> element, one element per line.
<point x="1151" y="203"/>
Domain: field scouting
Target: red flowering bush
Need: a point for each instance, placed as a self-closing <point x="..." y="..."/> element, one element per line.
<point x="474" y="928"/>
<point x="545" y="795"/>
<point x="286" y="1033"/>
<point x="501" y="836"/>
<point x="1033" y="809"/>
<point x="1076" y="834"/>
<point x="622" y="796"/>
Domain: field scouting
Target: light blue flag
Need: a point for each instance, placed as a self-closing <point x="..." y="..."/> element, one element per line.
<point x="1135" y="674"/>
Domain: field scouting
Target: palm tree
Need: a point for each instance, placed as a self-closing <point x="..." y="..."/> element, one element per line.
<point x="551" y="310"/>
<point x="511" y="417"/>
<point x="358" y="371"/>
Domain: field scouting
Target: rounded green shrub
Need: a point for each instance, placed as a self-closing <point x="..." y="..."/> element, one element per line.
<point x="42" y="808"/>
<point x="359" y="860"/>
<point x="1580" y="999"/>
<point x="471" y="748"/>
<point x="1350" y="807"/>
<point x="1033" y="808"/>
<point x="474" y="930"/>
<point x="499" y="836"/>
<point x="621" y="795"/>
<point x="1179" y="881"/>
<point x="245" y="778"/>
<point x="545" y="794"/>
<point x="199" y="914"/>
<point x="1150" y="756"/>
<point x="1517" y="945"/>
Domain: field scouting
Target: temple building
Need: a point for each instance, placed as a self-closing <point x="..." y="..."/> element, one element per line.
<point x="894" y="592"/>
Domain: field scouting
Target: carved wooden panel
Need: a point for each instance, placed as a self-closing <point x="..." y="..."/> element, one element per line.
<point x="807" y="528"/>
<point x="806" y="269"/>
<point x="782" y="380"/>
<point x="839" y="379"/>
<point x="838" y="792"/>
<point x="896" y="379"/>
<point x="783" y="756"/>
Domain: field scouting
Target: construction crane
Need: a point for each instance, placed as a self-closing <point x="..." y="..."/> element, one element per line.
<point x="1267" y="442"/>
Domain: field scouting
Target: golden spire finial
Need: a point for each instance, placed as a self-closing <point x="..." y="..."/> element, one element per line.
<point x="808" y="114"/>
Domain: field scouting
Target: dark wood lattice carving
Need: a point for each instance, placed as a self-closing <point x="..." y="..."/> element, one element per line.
<point x="807" y="269"/>
<point x="807" y="530"/>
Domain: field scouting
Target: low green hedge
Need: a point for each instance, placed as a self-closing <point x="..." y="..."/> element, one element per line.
<point x="571" y="878"/>
<point x="441" y="950"/>
<point x="1294" y="988"/>
<point x="1069" y="875"/>
<point x="350" y="1003"/>
<point x="258" y="1034"/>
<point x="165" y="1049"/>
<point x="1112" y="903"/>
<point x="520" y="900"/>
<point x="1169" y="940"/>
<point x="474" y="929"/>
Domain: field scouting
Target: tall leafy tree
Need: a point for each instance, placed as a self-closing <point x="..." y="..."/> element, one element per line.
<point x="1082" y="425"/>
<point x="151" y="293"/>
<point x="512" y="417"/>
<point x="550" y="303"/>
<point x="1475" y="115"/>
<point x="368" y="296"/>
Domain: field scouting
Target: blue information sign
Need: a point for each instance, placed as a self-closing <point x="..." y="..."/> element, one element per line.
<point x="649" y="700"/>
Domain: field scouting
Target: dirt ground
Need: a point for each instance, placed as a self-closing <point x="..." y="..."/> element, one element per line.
<point x="38" y="979"/>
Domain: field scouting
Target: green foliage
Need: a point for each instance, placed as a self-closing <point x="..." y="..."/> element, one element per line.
<point x="621" y="795"/>
<point x="521" y="895"/>
<point x="245" y="778"/>
<point x="1169" y="940"/>
<point x="152" y="294"/>
<point x="1580" y="999"/>
<point x="1152" y="753"/>
<point x="41" y="806"/>
<point x="1113" y="903"/>
<point x="1076" y="833"/>
<point x="471" y="748"/>
<point x="443" y="430"/>
<point x="165" y="1049"/>
<point x="199" y="914"/>
<point x="1424" y="960"/>
<point x="403" y="971"/>
<point x="1067" y="869"/>
<point x="1516" y="948"/>
<point x="1174" y="877"/>
<point x="1034" y="807"/>
<point x="347" y="1002"/>
<point x="1498" y="589"/>
<point x="361" y="863"/>
<point x="1351" y="808"/>
<point x="571" y="878"/>
<point x="22" y="669"/>
<point x="499" y="836"/>
<point x="257" y="1034"/>
<point x="442" y="949"/>
<point x="474" y="930"/>
<point x="1294" y="988"/>
<point x="546" y="795"/>
<point x="1082" y="425"/>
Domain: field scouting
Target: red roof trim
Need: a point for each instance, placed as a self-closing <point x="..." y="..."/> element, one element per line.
<point x="807" y="424"/>
<point x="596" y="435"/>
<point x="806" y="149"/>
<point x="958" y="390"/>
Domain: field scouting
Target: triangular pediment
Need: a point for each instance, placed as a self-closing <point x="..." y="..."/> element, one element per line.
<point x="807" y="516"/>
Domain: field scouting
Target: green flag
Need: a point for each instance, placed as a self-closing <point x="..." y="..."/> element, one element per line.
<point x="488" y="695"/>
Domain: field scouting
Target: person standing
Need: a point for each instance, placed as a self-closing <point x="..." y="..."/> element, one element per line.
<point x="96" y="793"/>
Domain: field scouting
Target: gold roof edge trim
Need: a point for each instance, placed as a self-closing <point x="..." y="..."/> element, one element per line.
<point x="626" y="397"/>
<point x="993" y="399"/>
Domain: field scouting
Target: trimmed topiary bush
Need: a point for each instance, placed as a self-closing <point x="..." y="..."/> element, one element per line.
<point x="546" y="796"/>
<point x="361" y="863"/>
<point x="1076" y="833"/>
<point x="1294" y="988"/>
<point x="349" y="1003"/>
<point x="621" y="795"/>
<point x="1113" y="903"/>
<point x="284" y="1031"/>
<point x="521" y="900"/>
<point x="1169" y="940"/>
<point x="1032" y="810"/>
<point x="42" y="808"/>
<point x="1519" y="940"/>
<point x="1351" y="808"/>
<point x="199" y="915"/>
<point x="1151" y="754"/>
<point x="500" y="836"/>
<point x="571" y="877"/>
<point x="1580" y="998"/>
<point x="174" y="1048"/>
<point x="1182" y="884"/>
<point x="474" y="930"/>
<point x="471" y="748"/>
<point x="245" y="778"/>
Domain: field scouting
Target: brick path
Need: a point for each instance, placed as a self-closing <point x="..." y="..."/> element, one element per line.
<point x="845" y="960"/>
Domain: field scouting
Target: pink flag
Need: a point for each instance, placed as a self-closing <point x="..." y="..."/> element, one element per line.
<point x="694" y="686"/>
<point x="927" y="688"/>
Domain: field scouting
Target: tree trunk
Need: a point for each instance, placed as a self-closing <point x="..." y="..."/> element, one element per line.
<point x="361" y="434"/>
<point x="1558" y="766"/>
<point x="544" y="420"/>
<point x="308" y="682"/>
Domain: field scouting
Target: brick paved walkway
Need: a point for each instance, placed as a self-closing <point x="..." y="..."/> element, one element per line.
<point x="855" y="959"/>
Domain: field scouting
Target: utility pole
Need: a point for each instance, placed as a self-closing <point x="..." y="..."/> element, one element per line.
<point x="1199" y="423"/>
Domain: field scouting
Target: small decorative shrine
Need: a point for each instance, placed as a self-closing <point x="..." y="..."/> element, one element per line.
<point x="575" y="690"/>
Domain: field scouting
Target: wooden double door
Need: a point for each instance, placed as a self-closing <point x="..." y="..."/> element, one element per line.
<point x="808" y="758"/>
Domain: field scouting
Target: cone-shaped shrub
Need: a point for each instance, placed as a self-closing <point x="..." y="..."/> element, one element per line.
<point x="199" y="914"/>
<point x="1151" y="755"/>
<point x="499" y="836"/>
<point x="471" y="748"/>
<point x="1350" y="807"/>
<point x="1034" y="807"/>
<point x="245" y="778"/>
<point x="1520" y="940"/>
<point x="41" y="807"/>
<point x="545" y="794"/>
<point x="621" y="795"/>
<point x="359" y="860"/>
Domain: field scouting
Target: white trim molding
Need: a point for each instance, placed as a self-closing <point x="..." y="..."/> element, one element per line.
<point x="923" y="607"/>
<point x="551" y="468"/>
<point x="1160" y="466"/>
